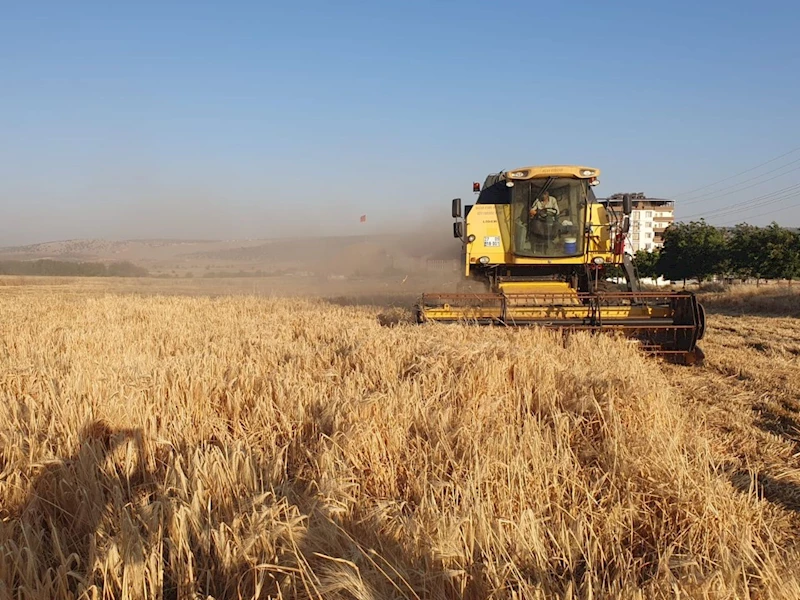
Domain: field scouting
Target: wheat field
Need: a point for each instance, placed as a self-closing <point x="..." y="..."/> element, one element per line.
<point x="167" y="446"/>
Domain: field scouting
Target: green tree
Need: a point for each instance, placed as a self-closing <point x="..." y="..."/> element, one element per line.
<point x="780" y="253"/>
<point x="646" y="263"/>
<point x="692" y="250"/>
<point x="745" y="251"/>
<point x="49" y="267"/>
<point x="126" y="269"/>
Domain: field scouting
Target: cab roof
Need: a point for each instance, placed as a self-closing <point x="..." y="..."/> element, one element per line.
<point x="539" y="172"/>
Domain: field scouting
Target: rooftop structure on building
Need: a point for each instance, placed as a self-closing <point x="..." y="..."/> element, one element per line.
<point x="639" y="200"/>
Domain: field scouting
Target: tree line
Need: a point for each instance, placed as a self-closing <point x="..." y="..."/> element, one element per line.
<point x="59" y="268"/>
<point x="697" y="250"/>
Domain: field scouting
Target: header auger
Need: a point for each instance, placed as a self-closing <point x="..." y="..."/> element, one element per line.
<point x="544" y="247"/>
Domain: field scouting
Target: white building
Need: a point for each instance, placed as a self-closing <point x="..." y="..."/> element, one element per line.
<point x="649" y="219"/>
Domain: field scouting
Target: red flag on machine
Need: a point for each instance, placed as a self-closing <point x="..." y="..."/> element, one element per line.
<point x="363" y="218"/>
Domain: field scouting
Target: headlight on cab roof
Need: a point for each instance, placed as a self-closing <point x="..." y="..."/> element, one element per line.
<point x="518" y="174"/>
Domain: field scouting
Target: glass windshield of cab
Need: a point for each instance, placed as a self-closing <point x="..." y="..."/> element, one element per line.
<point x="548" y="216"/>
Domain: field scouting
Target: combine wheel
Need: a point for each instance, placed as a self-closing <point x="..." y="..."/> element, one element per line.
<point x="701" y="321"/>
<point x="694" y="357"/>
<point x="697" y="357"/>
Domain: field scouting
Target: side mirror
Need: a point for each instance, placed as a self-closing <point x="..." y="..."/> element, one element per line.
<point x="627" y="205"/>
<point x="456" y="208"/>
<point x="626" y="224"/>
<point x="458" y="229"/>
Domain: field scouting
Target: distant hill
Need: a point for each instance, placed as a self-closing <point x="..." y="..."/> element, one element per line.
<point x="106" y="250"/>
<point x="345" y="254"/>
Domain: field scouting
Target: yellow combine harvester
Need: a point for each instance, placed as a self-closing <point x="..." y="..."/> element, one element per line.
<point x="544" y="248"/>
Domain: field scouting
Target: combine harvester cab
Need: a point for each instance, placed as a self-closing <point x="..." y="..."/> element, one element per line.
<point x="545" y="248"/>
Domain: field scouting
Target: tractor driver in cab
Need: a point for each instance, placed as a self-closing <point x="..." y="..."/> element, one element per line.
<point x="543" y="203"/>
<point x="544" y="225"/>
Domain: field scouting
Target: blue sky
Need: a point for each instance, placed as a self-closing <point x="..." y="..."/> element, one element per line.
<point x="255" y="119"/>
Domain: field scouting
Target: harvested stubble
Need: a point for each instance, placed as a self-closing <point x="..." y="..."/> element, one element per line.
<point x="246" y="447"/>
<point x="781" y="298"/>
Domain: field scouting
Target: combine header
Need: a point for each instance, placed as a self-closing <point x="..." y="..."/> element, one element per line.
<point x="544" y="248"/>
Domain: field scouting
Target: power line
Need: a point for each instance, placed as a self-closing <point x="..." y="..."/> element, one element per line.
<point x="705" y="187"/>
<point x="749" y="202"/>
<point x="745" y="209"/>
<point x="769" y="212"/>
<point x="752" y="185"/>
<point x="788" y="194"/>
<point x="718" y="194"/>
